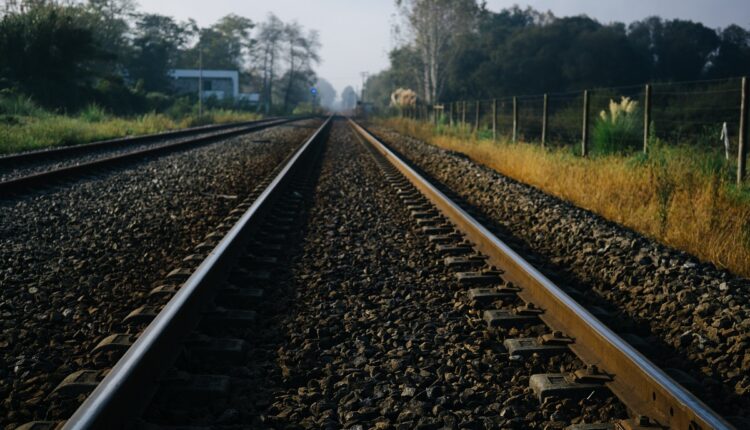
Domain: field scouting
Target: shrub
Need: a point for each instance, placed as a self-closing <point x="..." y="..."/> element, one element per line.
<point x="93" y="113"/>
<point x="18" y="105"/>
<point x="617" y="130"/>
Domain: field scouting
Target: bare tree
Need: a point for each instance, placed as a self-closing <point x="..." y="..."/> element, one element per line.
<point x="301" y="53"/>
<point x="266" y="50"/>
<point x="432" y="27"/>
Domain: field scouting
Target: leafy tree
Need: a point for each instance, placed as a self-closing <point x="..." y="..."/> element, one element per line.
<point x="348" y="98"/>
<point x="49" y="53"/>
<point x="156" y="46"/>
<point x="326" y="93"/>
<point x="224" y="45"/>
<point x="110" y="22"/>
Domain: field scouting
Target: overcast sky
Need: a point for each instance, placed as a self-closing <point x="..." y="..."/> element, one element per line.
<point x="356" y="34"/>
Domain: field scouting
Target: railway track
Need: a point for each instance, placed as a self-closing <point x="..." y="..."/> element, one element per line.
<point x="31" y="170"/>
<point x="557" y="357"/>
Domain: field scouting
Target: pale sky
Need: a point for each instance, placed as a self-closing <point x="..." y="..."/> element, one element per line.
<point x="356" y="34"/>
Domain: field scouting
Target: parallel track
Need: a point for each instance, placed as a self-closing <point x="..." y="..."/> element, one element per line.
<point x="36" y="180"/>
<point x="66" y="151"/>
<point x="643" y="387"/>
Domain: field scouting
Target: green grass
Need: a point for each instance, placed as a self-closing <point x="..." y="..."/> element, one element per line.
<point x="25" y="127"/>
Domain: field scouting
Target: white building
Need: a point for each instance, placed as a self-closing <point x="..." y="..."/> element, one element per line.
<point x="220" y="84"/>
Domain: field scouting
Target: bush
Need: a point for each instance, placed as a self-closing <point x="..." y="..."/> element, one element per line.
<point x="617" y="130"/>
<point x="18" y="105"/>
<point x="93" y="113"/>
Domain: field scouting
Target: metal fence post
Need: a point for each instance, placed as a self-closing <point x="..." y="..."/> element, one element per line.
<point x="742" y="152"/>
<point x="585" y="132"/>
<point x="544" y="121"/>
<point x="494" y="119"/>
<point x="463" y="114"/>
<point x="646" y="117"/>
<point x="515" y="119"/>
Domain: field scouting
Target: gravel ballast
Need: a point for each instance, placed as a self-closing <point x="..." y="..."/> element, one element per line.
<point x="375" y="332"/>
<point x="76" y="258"/>
<point x="24" y="168"/>
<point x="694" y="316"/>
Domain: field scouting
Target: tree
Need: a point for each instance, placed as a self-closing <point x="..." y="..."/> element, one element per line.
<point x="156" y="49"/>
<point x="733" y="55"/>
<point x="266" y="52"/>
<point x="326" y="93"/>
<point x="110" y="22"/>
<point x="301" y="52"/>
<point x="433" y="26"/>
<point x="48" y="52"/>
<point x="348" y="98"/>
<point x="224" y="45"/>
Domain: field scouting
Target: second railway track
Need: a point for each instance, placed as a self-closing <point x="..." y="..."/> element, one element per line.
<point x="28" y="171"/>
<point x="397" y="310"/>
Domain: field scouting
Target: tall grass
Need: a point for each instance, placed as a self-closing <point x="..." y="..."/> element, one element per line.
<point x="617" y="129"/>
<point x="681" y="196"/>
<point x="24" y="126"/>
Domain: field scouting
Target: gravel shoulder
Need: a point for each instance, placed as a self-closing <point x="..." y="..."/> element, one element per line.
<point x="77" y="258"/>
<point x="694" y="316"/>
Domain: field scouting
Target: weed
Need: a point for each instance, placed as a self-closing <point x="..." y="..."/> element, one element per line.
<point x="618" y="129"/>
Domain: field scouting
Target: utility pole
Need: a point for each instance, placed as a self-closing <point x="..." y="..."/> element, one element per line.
<point x="364" y="76"/>
<point x="200" y="80"/>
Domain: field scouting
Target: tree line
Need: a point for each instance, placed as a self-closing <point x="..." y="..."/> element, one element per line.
<point x="67" y="55"/>
<point x="458" y="50"/>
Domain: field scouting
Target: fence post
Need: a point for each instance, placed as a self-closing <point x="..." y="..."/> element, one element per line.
<point x="585" y="132"/>
<point x="544" y="121"/>
<point x="742" y="152"/>
<point x="515" y="119"/>
<point x="476" y="118"/>
<point x="494" y="119"/>
<point x="450" y="112"/>
<point x="463" y="114"/>
<point x="646" y="117"/>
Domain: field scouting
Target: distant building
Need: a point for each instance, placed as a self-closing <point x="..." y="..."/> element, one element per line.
<point x="220" y="84"/>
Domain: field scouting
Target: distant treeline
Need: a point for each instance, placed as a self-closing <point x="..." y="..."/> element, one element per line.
<point x="459" y="50"/>
<point x="66" y="56"/>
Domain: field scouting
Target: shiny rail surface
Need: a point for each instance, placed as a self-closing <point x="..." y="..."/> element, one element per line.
<point x="643" y="387"/>
<point x="35" y="180"/>
<point x="129" y="386"/>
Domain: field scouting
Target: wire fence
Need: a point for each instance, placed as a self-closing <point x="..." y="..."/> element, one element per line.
<point x="710" y="114"/>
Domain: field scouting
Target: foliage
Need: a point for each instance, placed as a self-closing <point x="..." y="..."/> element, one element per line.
<point x="47" y="53"/>
<point x="617" y="129"/>
<point x="69" y="55"/>
<point x="522" y="51"/>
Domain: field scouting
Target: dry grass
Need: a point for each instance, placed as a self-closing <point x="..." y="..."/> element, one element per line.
<point x="678" y="196"/>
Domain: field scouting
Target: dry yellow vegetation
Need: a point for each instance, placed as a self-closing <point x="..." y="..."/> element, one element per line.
<point x="679" y="196"/>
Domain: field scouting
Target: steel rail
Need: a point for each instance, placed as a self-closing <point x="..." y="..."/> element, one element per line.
<point x="129" y="386"/>
<point x="51" y="153"/>
<point x="640" y="384"/>
<point x="33" y="180"/>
